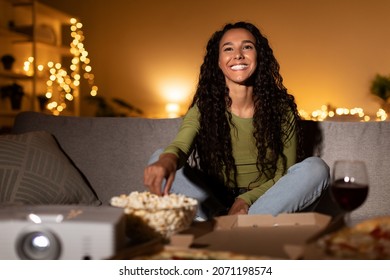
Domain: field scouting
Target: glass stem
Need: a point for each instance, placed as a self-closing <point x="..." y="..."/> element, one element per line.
<point x="347" y="219"/>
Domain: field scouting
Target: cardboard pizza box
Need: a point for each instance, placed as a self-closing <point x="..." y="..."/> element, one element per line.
<point x="279" y="237"/>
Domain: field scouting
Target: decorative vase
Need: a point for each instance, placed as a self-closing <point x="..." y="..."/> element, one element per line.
<point x="15" y="93"/>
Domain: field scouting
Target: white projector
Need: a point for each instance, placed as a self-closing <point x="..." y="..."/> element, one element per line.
<point x="66" y="232"/>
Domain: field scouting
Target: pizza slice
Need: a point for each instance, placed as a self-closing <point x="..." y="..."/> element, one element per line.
<point x="369" y="239"/>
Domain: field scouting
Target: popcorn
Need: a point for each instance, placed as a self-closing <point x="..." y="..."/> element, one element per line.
<point x="147" y="200"/>
<point x="166" y="215"/>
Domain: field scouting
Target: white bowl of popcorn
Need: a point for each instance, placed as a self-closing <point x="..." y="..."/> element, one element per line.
<point x="150" y="215"/>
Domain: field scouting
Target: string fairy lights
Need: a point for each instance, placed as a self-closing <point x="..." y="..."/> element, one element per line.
<point x="328" y="112"/>
<point x="80" y="57"/>
<point x="63" y="87"/>
<point x="59" y="79"/>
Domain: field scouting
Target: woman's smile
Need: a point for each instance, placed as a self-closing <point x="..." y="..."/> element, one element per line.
<point x="239" y="67"/>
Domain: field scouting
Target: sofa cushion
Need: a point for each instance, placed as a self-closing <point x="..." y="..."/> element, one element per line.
<point x="111" y="152"/>
<point x="34" y="170"/>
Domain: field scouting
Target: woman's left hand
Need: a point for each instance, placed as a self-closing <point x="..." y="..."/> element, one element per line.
<point x="239" y="207"/>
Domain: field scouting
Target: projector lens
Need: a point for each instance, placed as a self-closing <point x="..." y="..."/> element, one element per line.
<point x="38" y="245"/>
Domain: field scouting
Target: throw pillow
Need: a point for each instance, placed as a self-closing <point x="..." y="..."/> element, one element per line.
<point x="34" y="170"/>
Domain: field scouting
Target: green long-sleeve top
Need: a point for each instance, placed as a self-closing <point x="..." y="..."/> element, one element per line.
<point x="244" y="152"/>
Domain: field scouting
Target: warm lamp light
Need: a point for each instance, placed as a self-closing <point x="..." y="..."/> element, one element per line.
<point x="175" y="91"/>
<point x="172" y="110"/>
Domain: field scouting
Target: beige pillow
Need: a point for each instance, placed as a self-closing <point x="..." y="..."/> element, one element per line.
<point x="34" y="170"/>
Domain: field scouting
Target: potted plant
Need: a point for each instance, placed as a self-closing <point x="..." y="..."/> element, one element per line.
<point x="8" y="61"/>
<point x="380" y="87"/>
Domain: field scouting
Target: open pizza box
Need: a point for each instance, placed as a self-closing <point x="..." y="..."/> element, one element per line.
<point x="266" y="236"/>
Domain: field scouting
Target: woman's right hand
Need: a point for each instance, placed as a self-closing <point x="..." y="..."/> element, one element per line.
<point x="239" y="207"/>
<point x="155" y="173"/>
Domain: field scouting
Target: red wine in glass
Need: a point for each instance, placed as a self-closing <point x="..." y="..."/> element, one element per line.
<point x="348" y="195"/>
<point x="349" y="186"/>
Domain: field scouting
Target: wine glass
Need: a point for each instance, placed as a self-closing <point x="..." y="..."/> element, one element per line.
<point x="349" y="186"/>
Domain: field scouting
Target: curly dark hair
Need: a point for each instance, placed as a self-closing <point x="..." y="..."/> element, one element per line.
<point x="275" y="111"/>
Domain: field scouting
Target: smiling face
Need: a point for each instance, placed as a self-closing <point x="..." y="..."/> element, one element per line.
<point x="237" y="56"/>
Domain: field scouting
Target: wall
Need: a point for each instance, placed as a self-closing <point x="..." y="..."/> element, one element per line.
<point x="328" y="50"/>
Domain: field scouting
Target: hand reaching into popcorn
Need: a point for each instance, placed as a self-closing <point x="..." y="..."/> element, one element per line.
<point x="159" y="176"/>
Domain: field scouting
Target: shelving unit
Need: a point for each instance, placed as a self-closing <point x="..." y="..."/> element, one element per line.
<point x="30" y="29"/>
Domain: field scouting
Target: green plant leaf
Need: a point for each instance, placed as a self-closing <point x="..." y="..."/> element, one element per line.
<point x="380" y="86"/>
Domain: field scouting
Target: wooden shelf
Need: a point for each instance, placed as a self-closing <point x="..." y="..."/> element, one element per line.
<point x="13" y="35"/>
<point x="9" y="114"/>
<point x="60" y="50"/>
<point x="15" y="76"/>
<point x="43" y="10"/>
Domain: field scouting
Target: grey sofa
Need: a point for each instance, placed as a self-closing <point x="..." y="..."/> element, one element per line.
<point x="112" y="152"/>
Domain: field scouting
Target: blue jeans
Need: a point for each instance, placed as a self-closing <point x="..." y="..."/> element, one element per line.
<point x="298" y="190"/>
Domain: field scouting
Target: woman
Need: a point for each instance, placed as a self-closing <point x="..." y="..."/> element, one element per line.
<point x="242" y="134"/>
